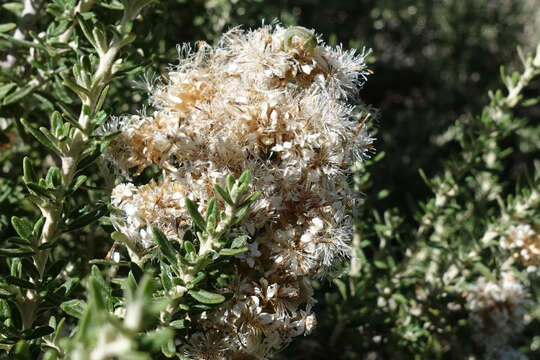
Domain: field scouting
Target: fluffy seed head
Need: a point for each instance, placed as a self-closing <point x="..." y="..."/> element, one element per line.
<point x="281" y="104"/>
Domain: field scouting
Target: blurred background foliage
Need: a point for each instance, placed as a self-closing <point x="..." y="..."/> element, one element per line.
<point x="433" y="62"/>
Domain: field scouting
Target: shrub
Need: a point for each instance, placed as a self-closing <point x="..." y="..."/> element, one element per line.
<point x="244" y="206"/>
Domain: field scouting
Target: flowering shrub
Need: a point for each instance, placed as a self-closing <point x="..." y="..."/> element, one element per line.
<point x="462" y="281"/>
<point x="278" y="104"/>
<point x="524" y="244"/>
<point x="234" y="217"/>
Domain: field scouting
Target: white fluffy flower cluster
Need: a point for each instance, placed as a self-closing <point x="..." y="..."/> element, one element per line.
<point x="281" y="104"/>
<point x="524" y="244"/>
<point x="497" y="310"/>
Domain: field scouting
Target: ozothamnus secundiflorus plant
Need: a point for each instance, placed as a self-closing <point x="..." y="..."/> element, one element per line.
<point x="465" y="278"/>
<point x="211" y="270"/>
<point x="278" y="106"/>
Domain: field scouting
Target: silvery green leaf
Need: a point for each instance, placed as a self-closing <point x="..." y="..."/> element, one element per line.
<point x="239" y="242"/>
<point x="5" y="89"/>
<point x="40" y="190"/>
<point x="85" y="27"/>
<point x="206" y="297"/>
<point x="81" y="92"/>
<point x="23" y="43"/>
<point x="54" y="177"/>
<point x="164" y="245"/>
<point x="79" y="181"/>
<point x="19" y="252"/>
<point x="251" y="198"/>
<point x="38" y="227"/>
<point x="241" y="213"/>
<point x="245" y="178"/>
<point x="484" y="270"/>
<point x="232" y="252"/>
<point x="197" y="279"/>
<point x="87" y="218"/>
<point x="22" y="226"/>
<point x="41" y="137"/>
<point x="230" y="182"/>
<point x="195" y="215"/>
<point x="211" y="208"/>
<point x="224" y="195"/>
<point x="211" y="215"/>
<point x="189" y="247"/>
<point x="56" y="123"/>
<point x="178" y="324"/>
<point x="74" y="308"/>
<point x="7" y="27"/>
<point x="102" y="98"/>
<point x="165" y="276"/>
<point x="18" y="94"/>
<point x="28" y="171"/>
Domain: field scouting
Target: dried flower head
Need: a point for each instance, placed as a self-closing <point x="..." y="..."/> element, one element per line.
<point x="280" y="104"/>
<point x="497" y="309"/>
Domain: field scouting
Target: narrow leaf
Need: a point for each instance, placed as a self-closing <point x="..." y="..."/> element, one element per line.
<point x="89" y="159"/>
<point x="165" y="276"/>
<point x="189" y="247"/>
<point x="164" y="245"/>
<point x="232" y="252"/>
<point x="87" y="218"/>
<point x="241" y="213"/>
<point x="18" y="94"/>
<point x="86" y="31"/>
<point x="211" y="209"/>
<point x="224" y="195"/>
<point x="40" y="137"/>
<point x="74" y="308"/>
<point x="21" y="252"/>
<point x="5" y="89"/>
<point x="195" y="215"/>
<point x="239" y="242"/>
<point x="54" y="177"/>
<point x="28" y="171"/>
<point x="24" y="43"/>
<point x="251" y="198"/>
<point x="56" y="122"/>
<point x="7" y="27"/>
<point x="245" y="178"/>
<point x="230" y="182"/>
<point x="178" y="324"/>
<point x="482" y="269"/>
<point x="206" y="297"/>
<point x="39" y="190"/>
<point x="197" y="279"/>
<point x="102" y="98"/>
<point x="77" y="183"/>
<point x="81" y="92"/>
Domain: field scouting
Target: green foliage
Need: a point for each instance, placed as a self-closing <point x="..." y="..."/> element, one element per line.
<point x="35" y="256"/>
<point x="160" y="298"/>
<point x="70" y="65"/>
<point x="405" y="292"/>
